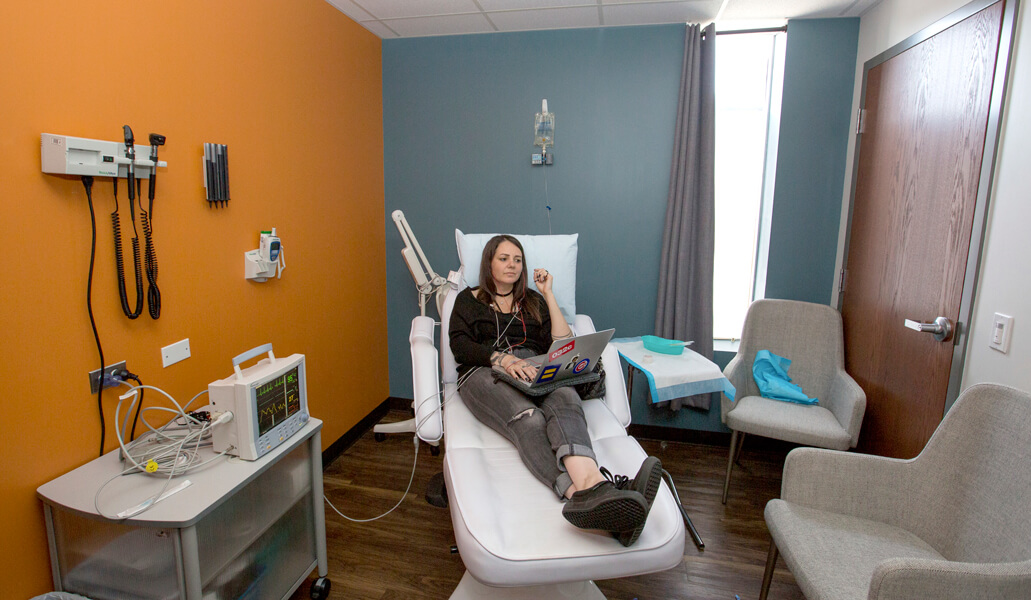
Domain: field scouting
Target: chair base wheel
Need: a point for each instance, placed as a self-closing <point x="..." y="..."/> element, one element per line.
<point x="320" y="588"/>
<point x="436" y="491"/>
<point x="379" y="437"/>
<point x="435" y="450"/>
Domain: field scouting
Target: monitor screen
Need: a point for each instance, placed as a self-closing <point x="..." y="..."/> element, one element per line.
<point x="277" y="399"/>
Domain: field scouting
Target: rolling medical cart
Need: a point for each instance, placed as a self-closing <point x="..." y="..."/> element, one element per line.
<point x="242" y="529"/>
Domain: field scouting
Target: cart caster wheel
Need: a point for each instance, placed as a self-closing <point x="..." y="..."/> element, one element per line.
<point x="435" y="450"/>
<point x="379" y="437"/>
<point x="320" y="588"/>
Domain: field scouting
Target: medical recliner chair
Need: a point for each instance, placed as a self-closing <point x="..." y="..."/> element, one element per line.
<point x="508" y="526"/>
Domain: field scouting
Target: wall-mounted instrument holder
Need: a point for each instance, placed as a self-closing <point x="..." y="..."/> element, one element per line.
<point x="67" y="155"/>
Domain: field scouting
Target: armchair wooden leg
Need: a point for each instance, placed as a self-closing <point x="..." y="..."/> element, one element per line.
<point x="730" y="462"/>
<point x="771" y="562"/>
<point x="740" y="445"/>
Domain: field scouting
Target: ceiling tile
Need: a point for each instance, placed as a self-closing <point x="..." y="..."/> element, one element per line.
<point x="492" y="5"/>
<point x="378" y="28"/>
<point x="555" y="18"/>
<point x="396" y="9"/>
<point x="790" y="9"/>
<point x="350" y="9"/>
<point x="445" y="25"/>
<point x="651" y="13"/>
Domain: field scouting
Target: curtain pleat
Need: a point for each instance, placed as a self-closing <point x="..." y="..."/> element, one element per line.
<point x="684" y="309"/>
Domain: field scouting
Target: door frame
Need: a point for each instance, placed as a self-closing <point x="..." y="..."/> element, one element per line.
<point x="979" y="226"/>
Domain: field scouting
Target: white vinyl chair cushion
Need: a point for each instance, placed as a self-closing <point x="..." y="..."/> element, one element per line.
<point x="834" y="541"/>
<point x="798" y="423"/>
<point x="510" y="530"/>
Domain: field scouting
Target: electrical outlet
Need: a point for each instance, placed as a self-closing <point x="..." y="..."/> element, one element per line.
<point x="109" y="371"/>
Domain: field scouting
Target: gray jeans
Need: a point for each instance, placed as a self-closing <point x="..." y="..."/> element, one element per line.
<point x="544" y="429"/>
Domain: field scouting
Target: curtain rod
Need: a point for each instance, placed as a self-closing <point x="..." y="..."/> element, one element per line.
<point x="783" y="28"/>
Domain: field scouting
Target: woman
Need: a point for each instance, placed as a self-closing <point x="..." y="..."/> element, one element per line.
<point x="501" y="323"/>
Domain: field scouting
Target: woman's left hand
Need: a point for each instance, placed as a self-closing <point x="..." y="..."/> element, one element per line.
<point x="543" y="279"/>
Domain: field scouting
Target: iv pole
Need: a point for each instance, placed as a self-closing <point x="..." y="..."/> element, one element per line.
<point x="429" y="284"/>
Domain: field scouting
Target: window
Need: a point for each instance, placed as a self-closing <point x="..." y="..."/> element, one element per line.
<point x="749" y="78"/>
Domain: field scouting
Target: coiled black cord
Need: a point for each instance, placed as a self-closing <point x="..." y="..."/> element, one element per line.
<point x="87" y="182"/>
<point x="116" y="226"/>
<point x="150" y="260"/>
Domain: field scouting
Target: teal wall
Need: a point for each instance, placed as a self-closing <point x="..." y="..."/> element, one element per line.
<point x="819" y="73"/>
<point x="458" y="123"/>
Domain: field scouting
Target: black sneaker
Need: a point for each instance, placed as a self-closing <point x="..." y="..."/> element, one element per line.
<point x="646" y="483"/>
<point x="605" y="507"/>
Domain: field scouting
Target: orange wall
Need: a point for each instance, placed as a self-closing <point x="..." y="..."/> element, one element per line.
<point x="294" y="88"/>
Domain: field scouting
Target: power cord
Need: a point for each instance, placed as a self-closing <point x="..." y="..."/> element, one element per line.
<point x="124" y="375"/>
<point x="415" y="439"/>
<point x="403" y="496"/>
<point x="87" y="182"/>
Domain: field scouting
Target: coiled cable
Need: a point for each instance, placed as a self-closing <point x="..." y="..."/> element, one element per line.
<point x="116" y="227"/>
<point x="150" y="265"/>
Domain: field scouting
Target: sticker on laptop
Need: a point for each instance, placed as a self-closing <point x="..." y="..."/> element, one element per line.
<point x="566" y="348"/>
<point x="580" y="366"/>
<point x="548" y="373"/>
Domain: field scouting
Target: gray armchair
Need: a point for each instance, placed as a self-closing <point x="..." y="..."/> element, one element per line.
<point x="952" y="523"/>
<point x="810" y="336"/>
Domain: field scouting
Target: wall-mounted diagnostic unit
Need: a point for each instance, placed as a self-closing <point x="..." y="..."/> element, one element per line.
<point x="67" y="155"/>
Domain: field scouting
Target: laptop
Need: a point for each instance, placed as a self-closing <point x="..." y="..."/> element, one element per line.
<point x="569" y="361"/>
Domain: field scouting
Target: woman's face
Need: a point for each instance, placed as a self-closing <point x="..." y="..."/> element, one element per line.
<point x="507" y="265"/>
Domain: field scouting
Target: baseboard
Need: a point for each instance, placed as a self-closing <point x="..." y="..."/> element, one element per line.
<point x="351" y="435"/>
<point x="754" y="443"/>
<point x="396" y="403"/>
<point x="676" y="434"/>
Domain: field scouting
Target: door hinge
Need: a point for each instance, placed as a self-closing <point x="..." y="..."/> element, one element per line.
<point x="843" y="276"/>
<point x="861" y="121"/>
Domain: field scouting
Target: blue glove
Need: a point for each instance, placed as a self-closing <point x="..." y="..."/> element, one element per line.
<point x="771" y="375"/>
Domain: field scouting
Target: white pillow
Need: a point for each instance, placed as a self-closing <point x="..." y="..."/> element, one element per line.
<point x="556" y="253"/>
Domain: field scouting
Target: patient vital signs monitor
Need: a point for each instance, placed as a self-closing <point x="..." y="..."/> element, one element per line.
<point x="269" y="402"/>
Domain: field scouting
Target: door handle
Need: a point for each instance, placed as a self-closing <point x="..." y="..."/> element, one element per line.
<point x="941" y="328"/>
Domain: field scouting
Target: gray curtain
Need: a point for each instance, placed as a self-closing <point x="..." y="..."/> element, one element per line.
<point x="684" y="310"/>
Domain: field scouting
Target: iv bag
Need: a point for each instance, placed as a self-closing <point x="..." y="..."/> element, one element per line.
<point x="544" y="127"/>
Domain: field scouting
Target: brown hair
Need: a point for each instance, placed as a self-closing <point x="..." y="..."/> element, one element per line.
<point x="487" y="286"/>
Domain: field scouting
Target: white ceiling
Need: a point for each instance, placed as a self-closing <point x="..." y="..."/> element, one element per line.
<point x="416" y="18"/>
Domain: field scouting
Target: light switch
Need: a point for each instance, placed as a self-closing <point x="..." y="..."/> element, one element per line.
<point x="1002" y="329"/>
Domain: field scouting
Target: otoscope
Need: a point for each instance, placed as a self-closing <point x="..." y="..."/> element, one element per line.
<point x="130" y="153"/>
<point x="155" y="141"/>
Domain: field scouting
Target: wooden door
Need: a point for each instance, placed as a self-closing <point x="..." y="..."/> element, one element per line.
<point x="917" y="184"/>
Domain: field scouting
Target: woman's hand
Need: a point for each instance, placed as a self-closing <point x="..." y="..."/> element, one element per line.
<point x="520" y="369"/>
<point x="543" y="279"/>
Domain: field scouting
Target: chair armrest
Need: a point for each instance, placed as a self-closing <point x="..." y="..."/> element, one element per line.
<point x="907" y="578"/>
<point x="848" y="403"/>
<point x="860" y="485"/>
<point x="582" y="325"/>
<point x="426" y="381"/>
<point x="739" y="372"/>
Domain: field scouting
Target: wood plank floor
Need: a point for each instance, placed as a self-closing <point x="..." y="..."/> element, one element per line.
<point x="406" y="555"/>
